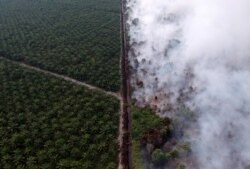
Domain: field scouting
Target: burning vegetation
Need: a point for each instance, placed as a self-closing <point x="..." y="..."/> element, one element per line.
<point x="193" y="56"/>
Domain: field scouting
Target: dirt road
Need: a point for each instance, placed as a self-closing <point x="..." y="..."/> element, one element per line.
<point x="125" y="161"/>
<point x="91" y="87"/>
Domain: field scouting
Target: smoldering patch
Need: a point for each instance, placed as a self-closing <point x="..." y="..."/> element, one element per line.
<point x="195" y="54"/>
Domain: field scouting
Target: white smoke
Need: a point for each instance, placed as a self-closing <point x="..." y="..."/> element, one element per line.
<point x="196" y="52"/>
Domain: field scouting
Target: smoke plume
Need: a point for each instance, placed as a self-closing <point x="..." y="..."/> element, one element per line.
<point x="196" y="53"/>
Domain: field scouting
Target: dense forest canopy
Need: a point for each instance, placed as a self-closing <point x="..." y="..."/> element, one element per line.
<point x="77" y="38"/>
<point x="50" y="123"/>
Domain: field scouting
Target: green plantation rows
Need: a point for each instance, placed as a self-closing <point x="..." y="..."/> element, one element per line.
<point x="77" y="38"/>
<point x="47" y="123"/>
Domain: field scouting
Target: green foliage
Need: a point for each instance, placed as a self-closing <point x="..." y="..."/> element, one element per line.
<point x="136" y="155"/>
<point x="186" y="147"/>
<point x="180" y="166"/>
<point x="174" y="153"/>
<point x="49" y="123"/>
<point x="168" y="156"/>
<point x="77" y="38"/>
<point x="143" y="119"/>
<point x="158" y="156"/>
